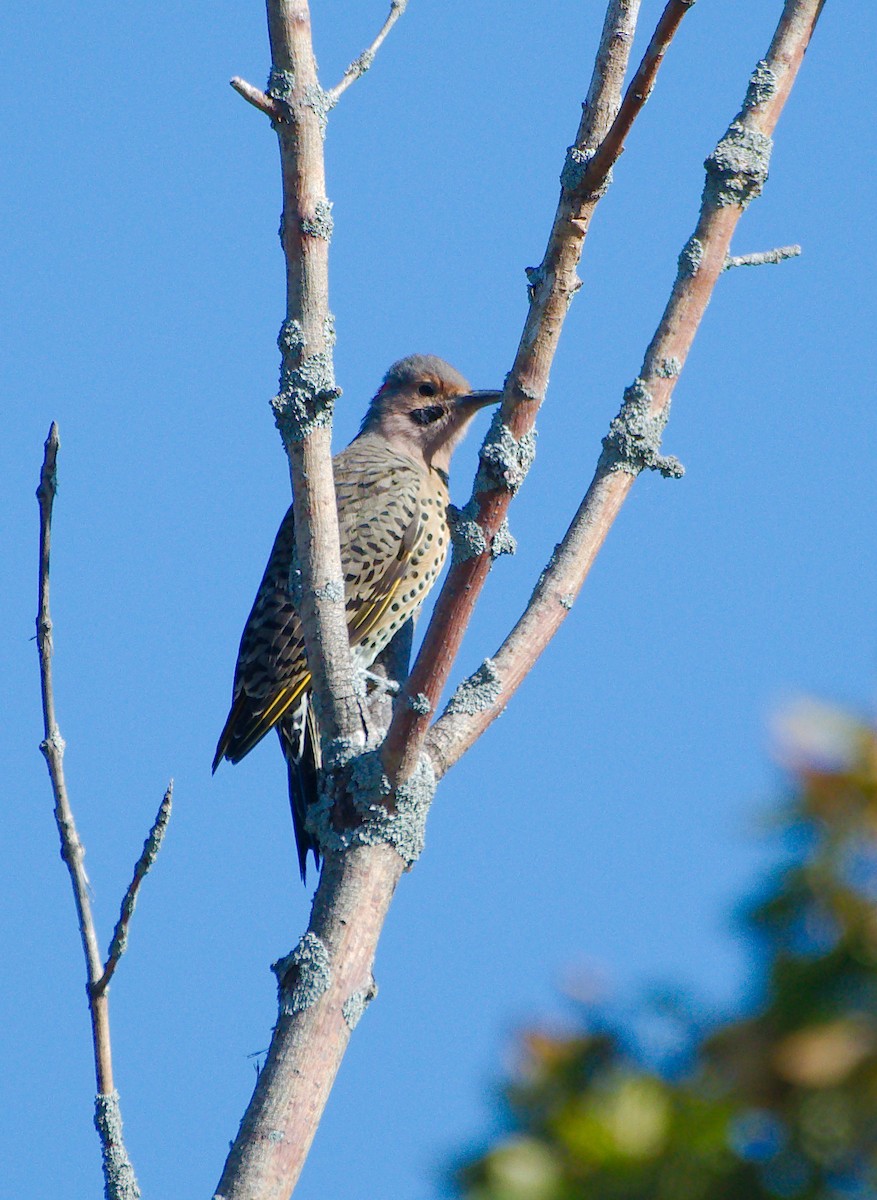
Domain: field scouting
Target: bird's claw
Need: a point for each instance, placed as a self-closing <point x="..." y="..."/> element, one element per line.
<point x="390" y="686"/>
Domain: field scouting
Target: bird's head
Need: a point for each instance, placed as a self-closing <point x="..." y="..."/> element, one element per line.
<point x="423" y="409"/>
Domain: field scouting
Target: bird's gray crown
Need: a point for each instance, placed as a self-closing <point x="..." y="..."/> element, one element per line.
<point x="413" y="368"/>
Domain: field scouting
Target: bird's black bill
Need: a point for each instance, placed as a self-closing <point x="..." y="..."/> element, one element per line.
<point x="478" y="399"/>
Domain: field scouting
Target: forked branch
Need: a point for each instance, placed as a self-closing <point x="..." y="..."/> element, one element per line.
<point x="119" y="1178"/>
<point x="596" y="168"/>
<point x="277" y="111"/>
<point x="736" y="172"/>
<point x="507" y="451"/>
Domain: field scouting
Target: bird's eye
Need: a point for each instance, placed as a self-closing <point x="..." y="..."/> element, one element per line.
<point x="427" y="389"/>
<point x="426" y="416"/>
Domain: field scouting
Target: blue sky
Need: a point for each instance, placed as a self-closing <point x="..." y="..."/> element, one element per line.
<point x="611" y="817"/>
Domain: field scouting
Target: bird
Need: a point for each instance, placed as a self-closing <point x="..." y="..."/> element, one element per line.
<point x="391" y="486"/>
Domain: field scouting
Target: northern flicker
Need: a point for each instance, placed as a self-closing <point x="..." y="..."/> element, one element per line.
<point x="391" y="485"/>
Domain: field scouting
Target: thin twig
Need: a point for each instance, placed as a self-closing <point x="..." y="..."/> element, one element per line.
<point x="762" y="257"/>
<point x="552" y="286"/>
<point x="52" y="746"/>
<point x="151" y="847"/>
<point x="702" y="261"/>
<point x="259" y="99"/>
<point x="360" y="65"/>
<point x="118" y="1172"/>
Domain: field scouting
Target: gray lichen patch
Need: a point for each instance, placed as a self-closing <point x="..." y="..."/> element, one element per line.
<point x="737" y="169"/>
<point x="690" y="258"/>
<point x="575" y="168"/>
<point x="467" y="536"/>
<point x="307" y="390"/>
<point x="505" y="460"/>
<point x="355" y="1005"/>
<point x="321" y="224"/>
<point x="281" y="85"/>
<point x="361" y="64"/>
<point x="633" y="443"/>
<point x="290" y="339"/>
<point x="358" y="781"/>
<point x="332" y="589"/>
<point x="420" y="704"/>
<point x="319" y="102"/>
<point x="567" y="600"/>
<point x="339" y="751"/>
<point x="477" y="693"/>
<point x="504" y="541"/>
<point x="119" y="1179"/>
<point x="309" y="968"/>
<point x="762" y="85"/>
<point x="668" y="368"/>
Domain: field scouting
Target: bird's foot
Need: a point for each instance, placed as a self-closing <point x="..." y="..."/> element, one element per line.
<point x="380" y="683"/>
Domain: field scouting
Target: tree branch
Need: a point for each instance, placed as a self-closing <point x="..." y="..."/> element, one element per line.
<point x="780" y="254"/>
<point x="52" y="747"/>
<point x="258" y="98"/>
<point x="304" y="404"/>
<point x="151" y="847"/>
<point x="118" y="1173"/>
<point x="324" y="986"/>
<point x="596" y="169"/>
<point x="509" y="446"/>
<point x="736" y="172"/>
<point x="360" y="65"/>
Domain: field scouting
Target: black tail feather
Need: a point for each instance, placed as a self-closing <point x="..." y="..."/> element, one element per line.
<point x="297" y="739"/>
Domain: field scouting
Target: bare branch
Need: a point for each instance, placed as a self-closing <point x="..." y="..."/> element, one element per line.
<point x="508" y="448"/>
<point x="596" y="169"/>
<point x="257" y="98"/>
<point x="736" y="172"/>
<point x="610" y="67"/>
<point x="118" y="1172"/>
<point x="360" y="65"/>
<point x="780" y="254"/>
<point x="151" y="847"/>
<point x="304" y="404"/>
<point x="52" y="746"/>
<point x="324" y="986"/>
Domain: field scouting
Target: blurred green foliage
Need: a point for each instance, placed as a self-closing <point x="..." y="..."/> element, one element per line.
<point x="780" y="1103"/>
